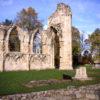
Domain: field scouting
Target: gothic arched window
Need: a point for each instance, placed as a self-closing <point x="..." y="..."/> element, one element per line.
<point x="14" y="42"/>
<point x="37" y="43"/>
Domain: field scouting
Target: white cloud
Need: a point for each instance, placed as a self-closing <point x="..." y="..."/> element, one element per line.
<point x="6" y="2"/>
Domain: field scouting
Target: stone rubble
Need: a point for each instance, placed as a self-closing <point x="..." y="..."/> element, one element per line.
<point x="91" y="92"/>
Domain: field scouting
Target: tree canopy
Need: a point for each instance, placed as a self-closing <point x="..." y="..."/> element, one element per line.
<point x="95" y="43"/>
<point x="95" y="39"/>
<point x="75" y="45"/>
<point x="75" y="41"/>
<point x="27" y="19"/>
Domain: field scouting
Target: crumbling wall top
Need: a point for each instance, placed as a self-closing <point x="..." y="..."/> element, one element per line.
<point x="62" y="9"/>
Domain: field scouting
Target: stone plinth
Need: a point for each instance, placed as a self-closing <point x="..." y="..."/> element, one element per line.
<point x="81" y="74"/>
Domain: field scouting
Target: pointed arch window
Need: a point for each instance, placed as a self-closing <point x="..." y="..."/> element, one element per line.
<point x="14" y="42"/>
<point x="37" y="43"/>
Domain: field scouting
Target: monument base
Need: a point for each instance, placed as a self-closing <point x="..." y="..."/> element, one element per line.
<point x="81" y="74"/>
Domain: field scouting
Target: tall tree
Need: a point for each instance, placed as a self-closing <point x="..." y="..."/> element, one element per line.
<point x="75" y="41"/>
<point x="95" y="39"/>
<point x="27" y="19"/>
<point x="95" y="42"/>
<point x="75" y="45"/>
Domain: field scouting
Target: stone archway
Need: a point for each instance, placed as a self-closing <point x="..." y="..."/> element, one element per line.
<point x="37" y="43"/>
<point x="61" y="23"/>
<point x="56" y="51"/>
<point x="14" y="42"/>
<point x="56" y="47"/>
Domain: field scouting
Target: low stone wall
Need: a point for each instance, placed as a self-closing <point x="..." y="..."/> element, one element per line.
<point x="91" y="92"/>
<point x="15" y="61"/>
<point x="40" y="61"/>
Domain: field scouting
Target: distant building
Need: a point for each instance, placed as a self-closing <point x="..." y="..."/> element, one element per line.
<point x="86" y="48"/>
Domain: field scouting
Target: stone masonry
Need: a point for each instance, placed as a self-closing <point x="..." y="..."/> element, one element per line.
<point x="91" y="92"/>
<point x="56" y="44"/>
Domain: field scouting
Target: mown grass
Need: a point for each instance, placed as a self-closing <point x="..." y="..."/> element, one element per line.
<point x="12" y="82"/>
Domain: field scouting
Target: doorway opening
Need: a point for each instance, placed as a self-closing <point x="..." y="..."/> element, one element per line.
<point x="56" y="49"/>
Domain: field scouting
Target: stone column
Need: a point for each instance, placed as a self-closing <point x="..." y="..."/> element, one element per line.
<point x="47" y="49"/>
<point x="1" y="49"/>
<point x="66" y="47"/>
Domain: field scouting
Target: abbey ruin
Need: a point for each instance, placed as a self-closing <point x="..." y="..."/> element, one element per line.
<point x="56" y="43"/>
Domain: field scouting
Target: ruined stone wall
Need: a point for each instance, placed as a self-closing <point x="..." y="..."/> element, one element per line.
<point x="59" y="26"/>
<point x="2" y="32"/>
<point x="40" y="61"/>
<point x="19" y="61"/>
<point x="25" y="59"/>
<point x="91" y="92"/>
<point x="16" y="61"/>
<point x="60" y="23"/>
<point x="47" y="46"/>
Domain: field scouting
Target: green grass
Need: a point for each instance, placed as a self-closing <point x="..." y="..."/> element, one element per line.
<point x="11" y="82"/>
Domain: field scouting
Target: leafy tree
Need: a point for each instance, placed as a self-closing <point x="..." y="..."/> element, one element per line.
<point x="95" y="39"/>
<point x="75" y="45"/>
<point x="95" y="42"/>
<point x="7" y="22"/>
<point x="27" y="19"/>
<point x="75" y="41"/>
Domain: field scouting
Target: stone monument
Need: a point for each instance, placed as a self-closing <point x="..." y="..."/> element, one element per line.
<point x="81" y="74"/>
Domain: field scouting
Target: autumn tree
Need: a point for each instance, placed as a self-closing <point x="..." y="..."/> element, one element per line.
<point x="75" y="45"/>
<point x="27" y="19"/>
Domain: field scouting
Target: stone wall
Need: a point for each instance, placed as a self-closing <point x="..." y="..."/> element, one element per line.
<point x="58" y="33"/>
<point x="40" y="61"/>
<point x="91" y="92"/>
<point x="2" y="34"/>
<point x="20" y="61"/>
<point x="16" y="61"/>
<point x="25" y="59"/>
<point x="59" y="24"/>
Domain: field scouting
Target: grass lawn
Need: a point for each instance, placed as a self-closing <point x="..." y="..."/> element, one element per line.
<point x="11" y="82"/>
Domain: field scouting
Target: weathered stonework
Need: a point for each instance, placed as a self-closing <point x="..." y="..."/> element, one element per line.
<point x="59" y="25"/>
<point x="81" y="74"/>
<point x="91" y="92"/>
<point x="56" y="45"/>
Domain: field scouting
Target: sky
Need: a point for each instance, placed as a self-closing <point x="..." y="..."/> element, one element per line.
<point x="85" y="13"/>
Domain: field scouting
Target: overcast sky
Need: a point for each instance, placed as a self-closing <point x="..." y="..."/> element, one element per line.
<point x="85" y="13"/>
